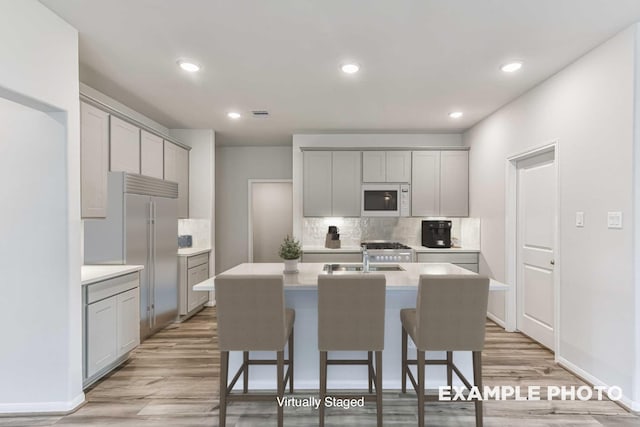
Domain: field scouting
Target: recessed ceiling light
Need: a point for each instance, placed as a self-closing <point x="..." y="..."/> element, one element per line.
<point x="511" y="67"/>
<point x="350" y="68"/>
<point x="455" y="114"/>
<point x="233" y="115"/>
<point x="189" y="66"/>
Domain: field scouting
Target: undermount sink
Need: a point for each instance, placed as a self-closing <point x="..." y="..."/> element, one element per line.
<point x="331" y="268"/>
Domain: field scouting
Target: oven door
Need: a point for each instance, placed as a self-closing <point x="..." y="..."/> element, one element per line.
<point x="380" y="200"/>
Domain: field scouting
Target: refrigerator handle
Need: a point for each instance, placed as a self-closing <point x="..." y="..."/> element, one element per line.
<point x="150" y="278"/>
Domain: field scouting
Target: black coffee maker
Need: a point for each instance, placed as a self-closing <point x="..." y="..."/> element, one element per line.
<point x="436" y="234"/>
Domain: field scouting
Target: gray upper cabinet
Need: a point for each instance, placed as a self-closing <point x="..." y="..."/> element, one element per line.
<point x="317" y="183"/>
<point x="94" y="163"/>
<point x="345" y="183"/>
<point x="374" y="166"/>
<point x="386" y="166"/>
<point x="440" y="183"/>
<point x="331" y="183"/>
<point x="125" y="146"/>
<point x="151" y="155"/>
<point x="454" y="183"/>
<point x="398" y="165"/>
<point x="425" y="183"/>
<point x="176" y="169"/>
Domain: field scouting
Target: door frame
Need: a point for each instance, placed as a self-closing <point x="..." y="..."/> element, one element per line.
<point x="250" y="183"/>
<point x="511" y="238"/>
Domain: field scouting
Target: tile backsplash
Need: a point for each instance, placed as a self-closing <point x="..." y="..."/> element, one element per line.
<point x="465" y="232"/>
<point x="200" y="229"/>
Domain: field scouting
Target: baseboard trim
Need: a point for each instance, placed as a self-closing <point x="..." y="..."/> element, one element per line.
<point x="626" y="403"/>
<point x="42" y="408"/>
<point x="497" y="320"/>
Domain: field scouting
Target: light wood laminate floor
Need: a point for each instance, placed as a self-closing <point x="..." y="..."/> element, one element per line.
<point x="172" y="380"/>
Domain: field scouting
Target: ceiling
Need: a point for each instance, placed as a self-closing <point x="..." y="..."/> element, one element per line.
<point x="420" y="59"/>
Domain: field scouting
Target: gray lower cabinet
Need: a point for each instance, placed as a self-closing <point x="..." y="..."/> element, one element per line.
<point x="468" y="260"/>
<point x="192" y="270"/>
<point x="111" y="324"/>
<point x="331" y="257"/>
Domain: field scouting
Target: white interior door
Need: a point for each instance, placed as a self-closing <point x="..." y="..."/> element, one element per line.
<point x="535" y="242"/>
<point x="270" y="217"/>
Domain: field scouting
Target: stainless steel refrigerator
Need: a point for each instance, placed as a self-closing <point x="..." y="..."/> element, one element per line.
<point x="141" y="228"/>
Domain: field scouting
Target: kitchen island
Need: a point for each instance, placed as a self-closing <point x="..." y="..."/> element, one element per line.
<point x="301" y="294"/>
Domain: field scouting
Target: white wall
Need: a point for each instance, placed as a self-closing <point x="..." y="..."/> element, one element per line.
<point x="589" y="109"/>
<point x="355" y="141"/>
<point x="636" y="219"/>
<point x="234" y="167"/>
<point x="202" y="173"/>
<point x="40" y="298"/>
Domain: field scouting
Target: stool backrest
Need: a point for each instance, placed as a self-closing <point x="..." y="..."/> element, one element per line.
<point x="351" y="312"/>
<point x="451" y="312"/>
<point x="251" y="312"/>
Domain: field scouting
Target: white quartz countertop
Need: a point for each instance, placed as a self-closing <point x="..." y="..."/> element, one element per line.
<point x="354" y="249"/>
<point x="307" y="276"/>
<point x="419" y="249"/>
<point x="97" y="273"/>
<point x="192" y="251"/>
<point x="322" y="249"/>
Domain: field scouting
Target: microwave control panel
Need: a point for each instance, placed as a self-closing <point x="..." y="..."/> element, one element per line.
<point x="405" y="200"/>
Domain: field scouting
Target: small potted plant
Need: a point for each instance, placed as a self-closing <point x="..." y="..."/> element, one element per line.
<point x="290" y="252"/>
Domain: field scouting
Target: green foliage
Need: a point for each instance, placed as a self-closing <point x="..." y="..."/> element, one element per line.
<point x="290" y="248"/>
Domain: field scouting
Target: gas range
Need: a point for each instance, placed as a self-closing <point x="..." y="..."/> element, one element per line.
<point x="382" y="251"/>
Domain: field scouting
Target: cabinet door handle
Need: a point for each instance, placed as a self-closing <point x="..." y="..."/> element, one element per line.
<point x="552" y="262"/>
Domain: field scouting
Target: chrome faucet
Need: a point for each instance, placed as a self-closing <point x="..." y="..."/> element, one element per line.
<point x="365" y="259"/>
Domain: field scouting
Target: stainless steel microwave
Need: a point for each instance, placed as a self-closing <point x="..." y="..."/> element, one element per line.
<point x="386" y="200"/>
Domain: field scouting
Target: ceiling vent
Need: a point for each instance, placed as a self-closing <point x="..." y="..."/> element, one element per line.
<point x="260" y="113"/>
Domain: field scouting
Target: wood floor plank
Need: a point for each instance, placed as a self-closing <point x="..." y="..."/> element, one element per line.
<point x="172" y="380"/>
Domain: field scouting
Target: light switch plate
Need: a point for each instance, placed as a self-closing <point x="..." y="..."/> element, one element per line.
<point x="579" y="219"/>
<point x="614" y="219"/>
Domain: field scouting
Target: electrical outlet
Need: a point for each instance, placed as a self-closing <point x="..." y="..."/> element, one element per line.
<point x="614" y="219"/>
<point x="579" y="219"/>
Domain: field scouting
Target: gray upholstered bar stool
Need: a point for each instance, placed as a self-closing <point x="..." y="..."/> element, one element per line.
<point x="450" y="315"/>
<point x="252" y="317"/>
<point x="351" y="318"/>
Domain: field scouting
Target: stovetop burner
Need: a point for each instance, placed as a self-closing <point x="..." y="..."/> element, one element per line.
<point x="384" y="245"/>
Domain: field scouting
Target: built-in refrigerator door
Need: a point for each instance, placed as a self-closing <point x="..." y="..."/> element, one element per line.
<point x="165" y="255"/>
<point x="138" y="241"/>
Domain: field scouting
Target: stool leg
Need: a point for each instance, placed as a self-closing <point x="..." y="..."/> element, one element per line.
<point x="224" y="369"/>
<point x="379" y="387"/>
<point x="370" y="369"/>
<point x="449" y="368"/>
<point x="245" y="373"/>
<point x="477" y="379"/>
<point x="280" y="374"/>
<point x="291" y="362"/>
<point x="323" y="385"/>
<point x="404" y="360"/>
<point x="421" y="385"/>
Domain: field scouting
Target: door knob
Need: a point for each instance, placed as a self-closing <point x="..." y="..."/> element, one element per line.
<point x="552" y="262"/>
